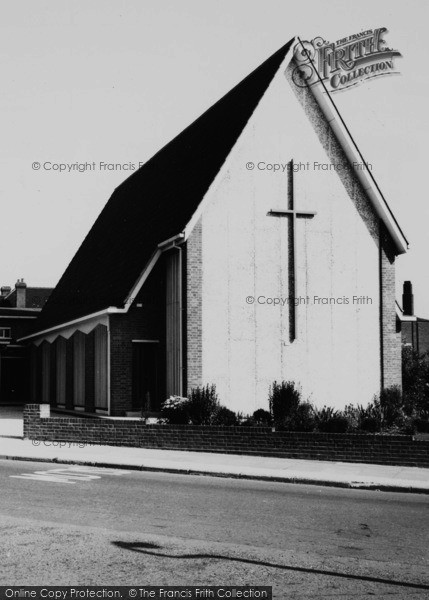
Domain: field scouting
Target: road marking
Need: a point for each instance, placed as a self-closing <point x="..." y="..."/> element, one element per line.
<point x="71" y="474"/>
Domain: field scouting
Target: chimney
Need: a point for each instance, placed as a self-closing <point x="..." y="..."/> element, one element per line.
<point x="5" y="290"/>
<point x="21" y="293"/>
<point x="408" y="299"/>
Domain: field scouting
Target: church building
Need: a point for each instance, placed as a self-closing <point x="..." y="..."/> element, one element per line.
<point x="255" y="246"/>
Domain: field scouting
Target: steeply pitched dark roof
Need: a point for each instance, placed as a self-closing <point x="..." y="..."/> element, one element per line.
<point x="154" y="204"/>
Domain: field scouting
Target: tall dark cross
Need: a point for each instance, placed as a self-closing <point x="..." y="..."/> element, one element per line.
<point x="293" y="215"/>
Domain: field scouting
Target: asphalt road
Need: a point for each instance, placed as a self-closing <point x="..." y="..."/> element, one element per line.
<point x="62" y="526"/>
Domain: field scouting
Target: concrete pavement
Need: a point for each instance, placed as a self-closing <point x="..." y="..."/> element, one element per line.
<point x="118" y="527"/>
<point x="337" y="474"/>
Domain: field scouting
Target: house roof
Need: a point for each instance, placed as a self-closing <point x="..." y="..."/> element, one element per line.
<point x="9" y="311"/>
<point x="153" y="204"/>
<point x="35" y="297"/>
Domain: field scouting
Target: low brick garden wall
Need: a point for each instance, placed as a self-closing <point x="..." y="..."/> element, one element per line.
<point x="259" y="441"/>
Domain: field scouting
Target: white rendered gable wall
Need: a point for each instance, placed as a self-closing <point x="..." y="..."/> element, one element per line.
<point x="245" y="347"/>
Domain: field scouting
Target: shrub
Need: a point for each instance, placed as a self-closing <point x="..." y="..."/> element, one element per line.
<point x="391" y="407"/>
<point x="175" y="410"/>
<point x="329" y="420"/>
<point x="302" y="419"/>
<point x="201" y="408"/>
<point x="203" y="405"/>
<point x="370" y="417"/>
<point x="224" y="416"/>
<point x="370" y="425"/>
<point x="245" y="420"/>
<point x="284" y="400"/>
<point x="415" y="383"/>
<point x="352" y="414"/>
<point x="420" y="425"/>
<point x="262" y="417"/>
<point x="337" y="424"/>
<point x="323" y="415"/>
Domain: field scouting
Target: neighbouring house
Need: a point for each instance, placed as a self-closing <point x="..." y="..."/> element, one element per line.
<point x="415" y="330"/>
<point x="19" y="308"/>
<point x="255" y="246"/>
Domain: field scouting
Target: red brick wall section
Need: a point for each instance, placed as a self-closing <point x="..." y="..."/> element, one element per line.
<point x="257" y="441"/>
<point x="141" y="322"/>
<point x="422" y="334"/>
<point x="390" y="333"/>
<point x="122" y="329"/>
<point x="416" y="333"/>
<point x="19" y="327"/>
<point x="194" y="307"/>
<point x="407" y="332"/>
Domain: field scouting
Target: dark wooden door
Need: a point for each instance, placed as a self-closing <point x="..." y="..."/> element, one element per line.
<point x="145" y="377"/>
<point x="14" y="380"/>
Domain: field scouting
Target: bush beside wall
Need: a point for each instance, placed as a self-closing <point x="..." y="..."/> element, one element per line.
<point x="258" y="441"/>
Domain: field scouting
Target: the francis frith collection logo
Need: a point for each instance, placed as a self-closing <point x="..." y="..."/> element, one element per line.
<point x="346" y="62"/>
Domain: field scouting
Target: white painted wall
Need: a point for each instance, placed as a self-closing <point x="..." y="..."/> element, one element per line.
<point x="336" y="357"/>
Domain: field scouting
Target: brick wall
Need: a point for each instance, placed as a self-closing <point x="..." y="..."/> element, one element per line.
<point x="390" y="331"/>
<point x="141" y="322"/>
<point x="194" y="307"/>
<point x="416" y="333"/>
<point x="257" y="441"/>
<point x="422" y="335"/>
<point x="19" y="327"/>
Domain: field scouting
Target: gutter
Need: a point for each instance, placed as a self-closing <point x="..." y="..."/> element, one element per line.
<point x="401" y="316"/>
<point x="172" y="242"/>
<point x="107" y="311"/>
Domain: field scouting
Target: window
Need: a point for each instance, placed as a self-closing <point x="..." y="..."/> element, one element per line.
<point x="5" y="333"/>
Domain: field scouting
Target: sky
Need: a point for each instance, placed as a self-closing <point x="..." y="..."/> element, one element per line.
<point x="112" y="81"/>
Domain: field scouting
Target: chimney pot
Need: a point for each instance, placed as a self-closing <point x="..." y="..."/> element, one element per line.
<point x="21" y="293"/>
<point x="408" y="299"/>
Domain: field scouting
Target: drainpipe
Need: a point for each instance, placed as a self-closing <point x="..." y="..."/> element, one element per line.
<point x="108" y="366"/>
<point x="179" y="248"/>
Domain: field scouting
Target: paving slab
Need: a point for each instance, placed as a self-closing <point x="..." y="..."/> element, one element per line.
<point x="352" y="475"/>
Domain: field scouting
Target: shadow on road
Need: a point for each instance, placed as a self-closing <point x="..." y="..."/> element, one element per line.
<point x="147" y="547"/>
